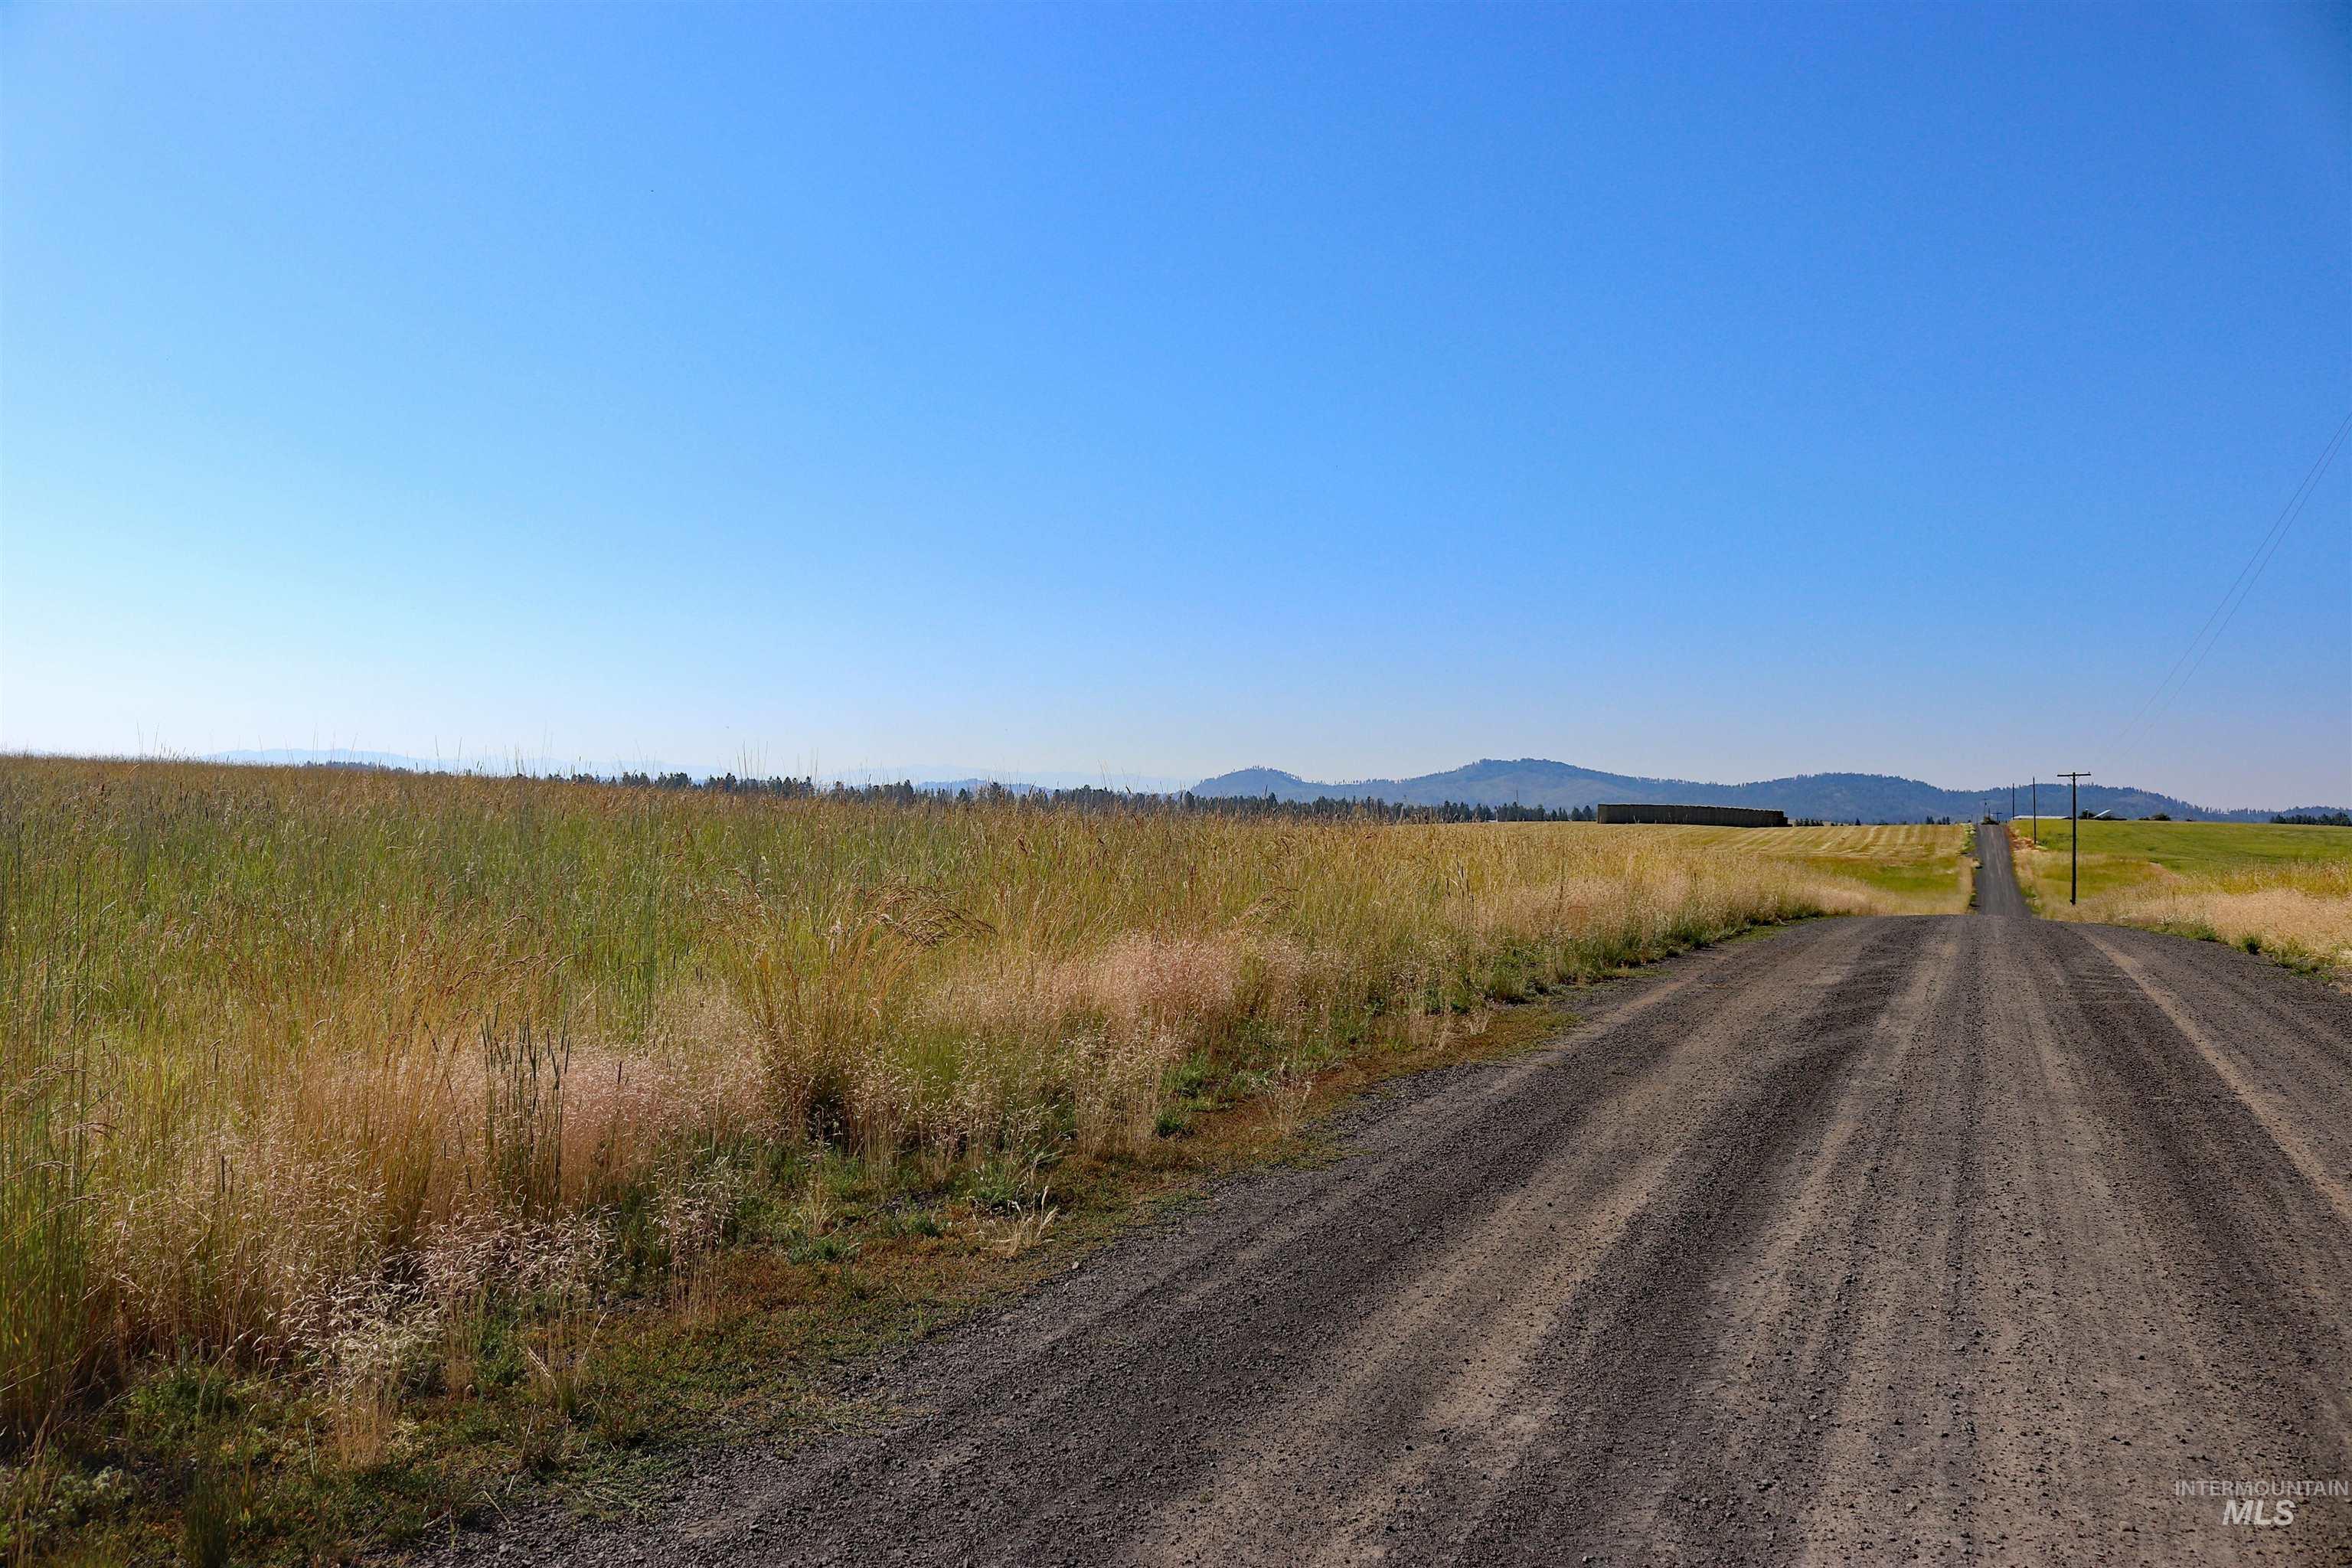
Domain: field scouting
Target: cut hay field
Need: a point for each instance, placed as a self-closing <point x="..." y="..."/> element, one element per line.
<point x="1912" y="868"/>
<point x="2276" y="888"/>
<point x="346" y="1114"/>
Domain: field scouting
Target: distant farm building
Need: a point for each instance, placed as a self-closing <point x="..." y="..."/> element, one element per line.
<point x="1692" y="815"/>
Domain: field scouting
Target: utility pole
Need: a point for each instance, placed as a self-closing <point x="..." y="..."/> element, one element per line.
<point x="2073" y="837"/>
<point x="2037" y="811"/>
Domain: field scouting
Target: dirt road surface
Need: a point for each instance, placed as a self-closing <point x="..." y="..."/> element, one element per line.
<point x="1933" y="1239"/>
<point x="1997" y="893"/>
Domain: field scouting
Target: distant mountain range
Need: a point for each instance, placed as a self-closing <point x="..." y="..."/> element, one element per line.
<point x="1529" y="781"/>
<point x="1873" y="797"/>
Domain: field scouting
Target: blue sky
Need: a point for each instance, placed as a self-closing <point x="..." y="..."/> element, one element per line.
<point x="1156" y="390"/>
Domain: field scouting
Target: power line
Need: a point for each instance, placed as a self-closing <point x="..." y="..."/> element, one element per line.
<point x="2235" y="595"/>
<point x="2187" y="679"/>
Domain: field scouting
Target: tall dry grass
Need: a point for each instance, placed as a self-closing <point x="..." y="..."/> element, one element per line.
<point x="2297" y="911"/>
<point x="297" y="1064"/>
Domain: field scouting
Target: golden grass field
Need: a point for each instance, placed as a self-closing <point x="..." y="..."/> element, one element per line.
<point x="2272" y="888"/>
<point x="1905" y="869"/>
<point x="314" y="1076"/>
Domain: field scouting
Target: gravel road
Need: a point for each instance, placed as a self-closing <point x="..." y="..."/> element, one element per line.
<point x="1901" y="1240"/>
<point x="1997" y="893"/>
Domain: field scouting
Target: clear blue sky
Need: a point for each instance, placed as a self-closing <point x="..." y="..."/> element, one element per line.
<point x="1721" y="392"/>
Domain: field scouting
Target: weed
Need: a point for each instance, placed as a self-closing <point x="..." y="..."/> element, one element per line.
<point x="209" y="1520"/>
<point x="1288" y="1092"/>
<point x="823" y="1250"/>
<point x="1012" y="1235"/>
<point x="558" y="1357"/>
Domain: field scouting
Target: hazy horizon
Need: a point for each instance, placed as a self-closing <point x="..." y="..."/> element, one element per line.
<point x="498" y="761"/>
<point x="1700" y="392"/>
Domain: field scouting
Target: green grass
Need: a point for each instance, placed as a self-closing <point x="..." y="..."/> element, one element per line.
<point x="2117" y="856"/>
<point x="2284" y="892"/>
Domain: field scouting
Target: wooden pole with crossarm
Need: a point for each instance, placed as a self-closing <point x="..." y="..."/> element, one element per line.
<point x="2073" y="837"/>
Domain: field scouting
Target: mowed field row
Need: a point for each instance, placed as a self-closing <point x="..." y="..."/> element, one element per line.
<point x="1910" y="868"/>
<point x="363" y="1086"/>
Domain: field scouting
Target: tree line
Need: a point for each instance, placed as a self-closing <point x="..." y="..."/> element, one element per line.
<point x="1091" y="797"/>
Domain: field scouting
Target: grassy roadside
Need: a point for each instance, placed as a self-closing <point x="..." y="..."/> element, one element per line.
<point x="2281" y="890"/>
<point x="376" y="1148"/>
<point x="203" y="1462"/>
